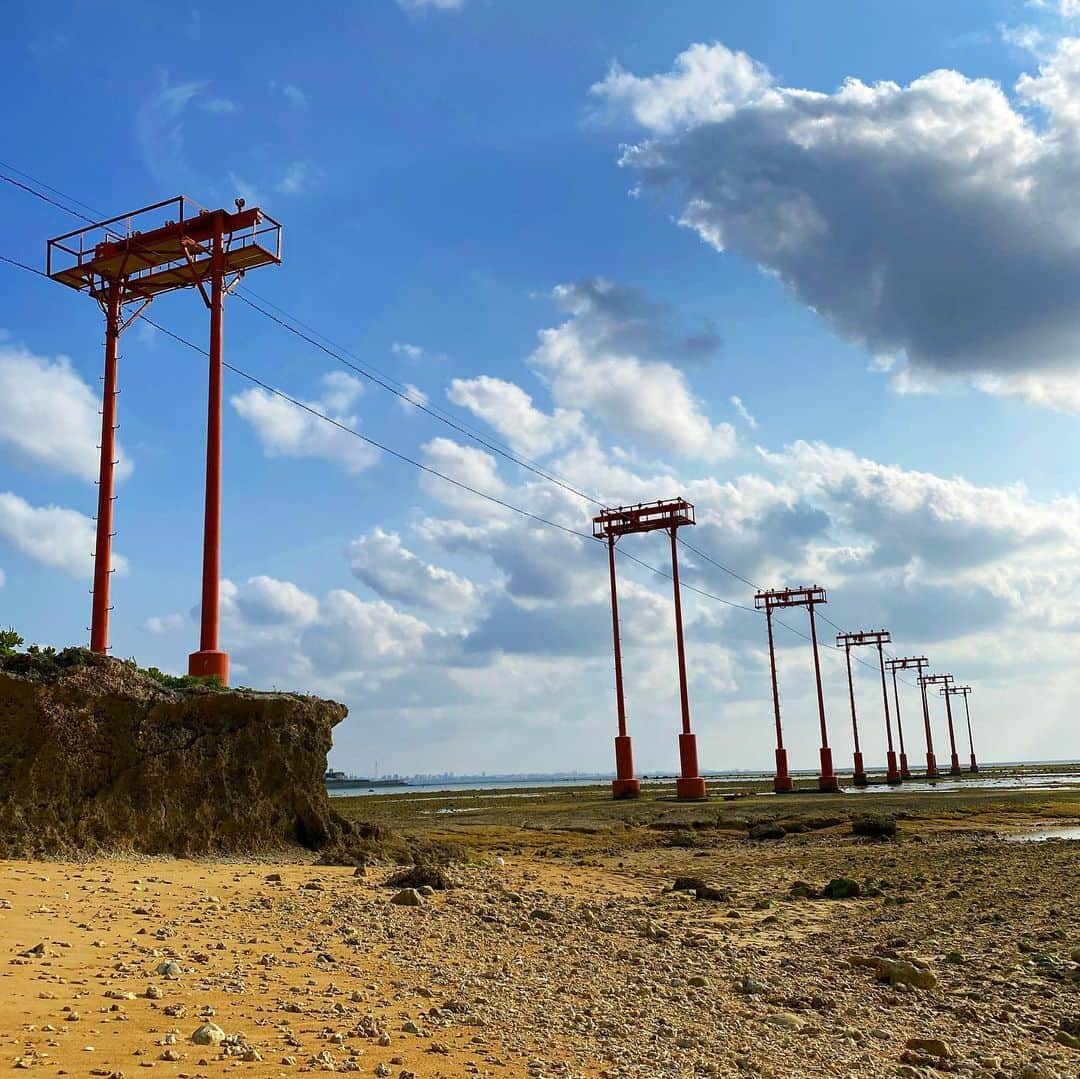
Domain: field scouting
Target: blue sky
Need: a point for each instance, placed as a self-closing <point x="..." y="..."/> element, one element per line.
<point x="582" y="230"/>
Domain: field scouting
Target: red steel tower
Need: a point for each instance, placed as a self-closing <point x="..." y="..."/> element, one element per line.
<point x="129" y="260"/>
<point x="895" y="665"/>
<point x="945" y="680"/>
<point x="847" y="641"/>
<point x="776" y="599"/>
<point x="668" y="515"/>
<point x="965" y="691"/>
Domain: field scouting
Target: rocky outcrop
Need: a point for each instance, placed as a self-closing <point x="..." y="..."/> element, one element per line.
<point x="96" y="754"/>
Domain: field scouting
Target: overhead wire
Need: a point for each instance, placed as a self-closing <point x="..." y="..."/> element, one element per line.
<point x="387" y="382"/>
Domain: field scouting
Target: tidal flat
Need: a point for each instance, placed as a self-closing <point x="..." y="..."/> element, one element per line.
<point x="570" y="935"/>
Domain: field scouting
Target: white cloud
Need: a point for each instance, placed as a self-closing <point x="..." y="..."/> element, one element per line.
<point x="49" y="415"/>
<point x="381" y="561"/>
<point x="415" y="395"/>
<point x="403" y="348"/>
<point x="160" y="624"/>
<point x="160" y="129"/>
<point x="414" y="6"/>
<point x="1067" y="9"/>
<point x="468" y="465"/>
<point x="737" y="404"/>
<point x="508" y="409"/>
<point x="52" y="535"/>
<point x="974" y="268"/>
<point x="299" y="178"/>
<point x="594" y="363"/>
<point x="3" y="579"/>
<point x="266" y="601"/>
<point x="294" y="95"/>
<point x="708" y="82"/>
<point x="288" y="431"/>
<point x="354" y="636"/>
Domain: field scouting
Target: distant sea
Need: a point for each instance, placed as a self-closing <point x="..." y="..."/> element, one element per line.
<point x="1030" y="778"/>
<point x="472" y="784"/>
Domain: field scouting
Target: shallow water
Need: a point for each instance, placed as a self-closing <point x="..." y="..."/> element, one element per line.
<point x="1046" y="781"/>
<point x="1033" y="781"/>
<point x="1039" y="835"/>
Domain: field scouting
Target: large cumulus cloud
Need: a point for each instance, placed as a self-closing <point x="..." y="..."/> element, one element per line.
<point x="934" y="223"/>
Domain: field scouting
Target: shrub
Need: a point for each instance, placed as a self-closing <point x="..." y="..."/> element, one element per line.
<point x="10" y="642"/>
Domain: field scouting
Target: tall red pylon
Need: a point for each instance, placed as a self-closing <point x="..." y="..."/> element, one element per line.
<point x="122" y="262"/>
<point x="770" y="600"/>
<point x="668" y="516"/>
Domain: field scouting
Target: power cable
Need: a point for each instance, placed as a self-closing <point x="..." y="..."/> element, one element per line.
<point x="385" y="382"/>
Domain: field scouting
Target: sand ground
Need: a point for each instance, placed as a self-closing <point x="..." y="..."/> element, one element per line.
<point x="562" y="951"/>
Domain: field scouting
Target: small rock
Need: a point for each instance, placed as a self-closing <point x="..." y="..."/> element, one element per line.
<point x="407" y="897"/>
<point x="717" y="895"/>
<point x="899" y="972"/>
<point x="784" y="1021"/>
<point x="687" y="884"/>
<point x="767" y="830"/>
<point x="841" y="888"/>
<point x="208" y="1034"/>
<point x="874" y="827"/>
<point x="934" y="1047"/>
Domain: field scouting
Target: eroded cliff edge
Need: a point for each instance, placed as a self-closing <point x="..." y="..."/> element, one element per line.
<point x="96" y="754"/>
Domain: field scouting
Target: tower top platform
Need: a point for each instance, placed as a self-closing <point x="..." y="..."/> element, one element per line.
<point x="644" y="517"/>
<point x="161" y="248"/>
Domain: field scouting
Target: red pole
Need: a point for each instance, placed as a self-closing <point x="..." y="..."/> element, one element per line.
<point x="892" y="773"/>
<point x="689" y="784"/>
<point x="954" y="769"/>
<point x="971" y="743"/>
<point x="827" y="779"/>
<point x="859" y="777"/>
<point x="782" y="780"/>
<point x="931" y="760"/>
<point x="209" y="661"/>
<point x="99" y="619"/>
<point x="624" y="784"/>
<point x="905" y="772"/>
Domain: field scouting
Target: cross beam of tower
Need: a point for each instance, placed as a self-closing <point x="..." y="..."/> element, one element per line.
<point x="856" y="639"/>
<point x="964" y="691"/>
<point x="775" y="599"/>
<point x="945" y="680"/>
<point x="130" y="260"/>
<point x="667" y="515"/>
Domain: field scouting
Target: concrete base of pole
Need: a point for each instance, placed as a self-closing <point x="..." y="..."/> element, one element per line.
<point x="931" y="766"/>
<point x="892" y="773"/>
<point x="625" y="785"/>
<point x="691" y="789"/>
<point x="782" y="781"/>
<point x="208" y="664"/>
<point x="859" y="777"/>
<point x="954" y="768"/>
<point x="827" y="780"/>
<point x="974" y="766"/>
<point x="690" y="785"/>
<point x="905" y="772"/>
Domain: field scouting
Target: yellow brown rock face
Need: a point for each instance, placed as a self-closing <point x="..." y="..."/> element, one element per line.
<point x="95" y="754"/>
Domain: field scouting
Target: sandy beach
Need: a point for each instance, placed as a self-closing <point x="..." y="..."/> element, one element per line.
<point x="562" y="950"/>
